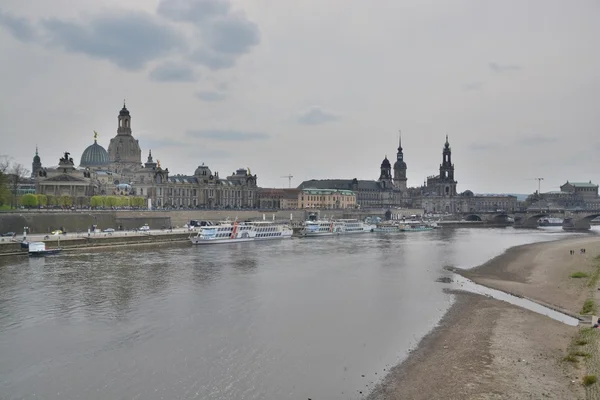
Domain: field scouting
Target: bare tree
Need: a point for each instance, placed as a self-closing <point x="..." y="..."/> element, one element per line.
<point x="15" y="174"/>
<point x="4" y="191"/>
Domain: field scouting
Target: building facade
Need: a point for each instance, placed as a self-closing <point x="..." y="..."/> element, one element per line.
<point x="387" y="191"/>
<point x="327" y="198"/>
<point x="119" y="171"/>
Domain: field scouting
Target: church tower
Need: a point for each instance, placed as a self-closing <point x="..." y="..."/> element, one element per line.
<point x="385" y="177"/>
<point x="447" y="171"/>
<point x="36" y="165"/>
<point x="124" y="150"/>
<point x="400" y="167"/>
<point x="124" y="127"/>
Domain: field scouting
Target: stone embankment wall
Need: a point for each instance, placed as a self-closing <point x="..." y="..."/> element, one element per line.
<point x="8" y="247"/>
<point x="79" y="221"/>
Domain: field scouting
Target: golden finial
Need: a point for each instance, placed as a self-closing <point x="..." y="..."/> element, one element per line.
<point x="95" y="135"/>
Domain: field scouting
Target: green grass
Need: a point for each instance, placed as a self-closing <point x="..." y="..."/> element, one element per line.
<point x="581" y="342"/>
<point x="589" y="380"/>
<point x="589" y="307"/>
<point x="596" y="274"/>
<point x="579" y="274"/>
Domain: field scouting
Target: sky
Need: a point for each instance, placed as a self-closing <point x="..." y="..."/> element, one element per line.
<point x="314" y="88"/>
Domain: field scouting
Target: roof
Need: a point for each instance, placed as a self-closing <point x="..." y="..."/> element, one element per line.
<point x="316" y="191"/>
<point x="64" y="178"/>
<point x="182" y="179"/>
<point x="342" y="184"/>
<point x="581" y="184"/>
<point x="94" y="155"/>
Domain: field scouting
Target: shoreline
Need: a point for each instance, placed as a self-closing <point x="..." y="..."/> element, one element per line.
<point x="486" y="348"/>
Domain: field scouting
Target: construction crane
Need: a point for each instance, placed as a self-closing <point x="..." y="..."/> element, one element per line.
<point x="289" y="177"/>
<point x="539" y="184"/>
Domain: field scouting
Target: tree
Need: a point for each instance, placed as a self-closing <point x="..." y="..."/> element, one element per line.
<point x="98" y="201"/>
<point x="29" y="200"/>
<point x="65" y="201"/>
<point x="50" y="200"/>
<point x="4" y="189"/>
<point x="42" y="199"/>
<point x="15" y="175"/>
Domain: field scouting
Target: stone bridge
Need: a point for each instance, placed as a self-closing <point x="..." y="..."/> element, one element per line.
<point x="573" y="220"/>
<point x="492" y="218"/>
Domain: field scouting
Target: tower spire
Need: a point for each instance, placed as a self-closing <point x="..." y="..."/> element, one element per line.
<point x="399" y="139"/>
<point x="36" y="150"/>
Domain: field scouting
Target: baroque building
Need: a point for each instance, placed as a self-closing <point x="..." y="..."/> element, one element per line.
<point x="119" y="171"/>
<point x="439" y="194"/>
<point x="389" y="190"/>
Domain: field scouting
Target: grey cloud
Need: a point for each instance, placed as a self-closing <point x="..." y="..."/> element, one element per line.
<point x="132" y="39"/>
<point x="227" y="135"/>
<point x="316" y="116"/>
<point x="172" y="72"/>
<point x="128" y="39"/>
<point x="193" y="11"/>
<point x="233" y="34"/>
<point x="472" y="86"/>
<point x="20" y="28"/>
<point x="498" y="68"/>
<point x="150" y="143"/>
<point x="212" y="59"/>
<point x="208" y="95"/>
<point x="223" y="33"/>
<point x="535" y="140"/>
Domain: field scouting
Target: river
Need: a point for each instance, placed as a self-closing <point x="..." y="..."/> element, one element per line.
<point x="319" y="318"/>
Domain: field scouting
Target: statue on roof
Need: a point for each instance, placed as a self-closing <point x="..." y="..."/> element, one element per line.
<point x="158" y="163"/>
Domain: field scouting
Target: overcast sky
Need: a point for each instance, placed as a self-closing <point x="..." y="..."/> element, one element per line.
<point x="311" y="88"/>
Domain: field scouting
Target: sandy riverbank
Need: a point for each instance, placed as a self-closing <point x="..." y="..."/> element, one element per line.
<point x="489" y="349"/>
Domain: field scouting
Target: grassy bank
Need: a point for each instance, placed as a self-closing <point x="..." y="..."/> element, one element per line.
<point x="584" y="350"/>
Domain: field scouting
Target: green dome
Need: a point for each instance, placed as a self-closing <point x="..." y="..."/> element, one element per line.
<point x="94" y="155"/>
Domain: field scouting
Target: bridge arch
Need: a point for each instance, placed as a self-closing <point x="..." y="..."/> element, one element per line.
<point x="529" y="221"/>
<point x="574" y="222"/>
<point x="473" y="217"/>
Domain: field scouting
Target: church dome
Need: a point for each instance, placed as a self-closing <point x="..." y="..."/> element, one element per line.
<point x="94" y="155"/>
<point x="386" y="163"/>
<point x="399" y="165"/>
<point x="124" y="111"/>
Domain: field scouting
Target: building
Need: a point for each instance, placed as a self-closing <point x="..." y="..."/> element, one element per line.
<point x="387" y="191"/>
<point x="572" y="195"/>
<point x="327" y="198"/>
<point x="438" y="194"/>
<point x="587" y="191"/>
<point x="119" y="171"/>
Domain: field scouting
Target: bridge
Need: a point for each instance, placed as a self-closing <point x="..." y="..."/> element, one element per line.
<point x="573" y="220"/>
<point x="489" y="217"/>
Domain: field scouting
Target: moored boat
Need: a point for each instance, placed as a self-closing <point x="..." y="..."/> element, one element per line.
<point x="335" y="227"/>
<point x="227" y="232"/>
<point x="387" y="227"/>
<point x="38" y="249"/>
<point x="415" y="226"/>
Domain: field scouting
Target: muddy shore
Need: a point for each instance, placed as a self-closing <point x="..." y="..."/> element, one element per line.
<point x="488" y="349"/>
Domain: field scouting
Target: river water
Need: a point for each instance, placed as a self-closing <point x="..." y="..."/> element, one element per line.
<point x="319" y="318"/>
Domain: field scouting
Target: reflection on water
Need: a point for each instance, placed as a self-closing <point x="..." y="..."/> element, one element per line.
<point x="290" y="319"/>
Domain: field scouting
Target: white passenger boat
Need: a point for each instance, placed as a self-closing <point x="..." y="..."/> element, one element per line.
<point x="354" y="226"/>
<point x="415" y="226"/>
<point x="321" y="228"/>
<point x="387" y="227"/>
<point x="335" y="227"/>
<point x="227" y="232"/>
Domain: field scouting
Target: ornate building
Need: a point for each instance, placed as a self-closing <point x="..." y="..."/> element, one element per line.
<point x="119" y="171"/>
<point x="387" y="191"/>
<point x="438" y="195"/>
